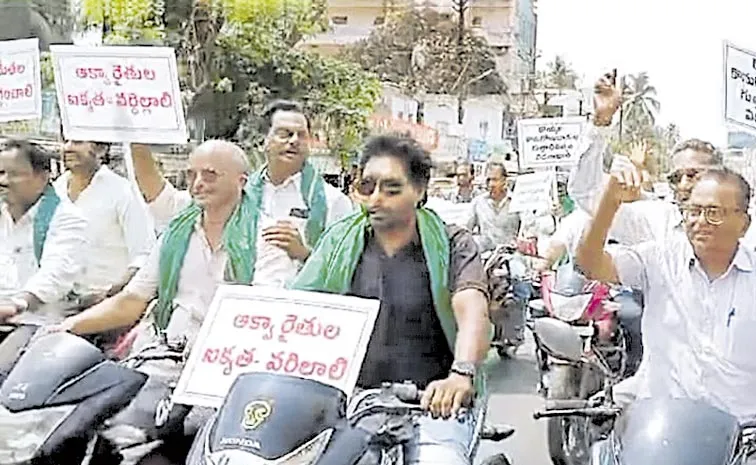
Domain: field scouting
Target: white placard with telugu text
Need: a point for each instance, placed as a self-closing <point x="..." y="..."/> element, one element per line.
<point x="249" y="329"/>
<point x="119" y="94"/>
<point x="739" y="87"/>
<point x="532" y="192"/>
<point x="549" y="142"/>
<point x="20" y="81"/>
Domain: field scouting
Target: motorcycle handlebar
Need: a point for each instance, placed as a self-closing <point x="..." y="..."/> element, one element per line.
<point x="578" y="412"/>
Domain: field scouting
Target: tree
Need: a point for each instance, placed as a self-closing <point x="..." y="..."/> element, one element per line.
<point x="235" y="55"/>
<point x="640" y="105"/>
<point x="558" y="75"/>
<point x="48" y="20"/>
<point x="418" y="50"/>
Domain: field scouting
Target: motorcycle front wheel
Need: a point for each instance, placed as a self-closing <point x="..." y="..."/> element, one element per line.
<point x="566" y="436"/>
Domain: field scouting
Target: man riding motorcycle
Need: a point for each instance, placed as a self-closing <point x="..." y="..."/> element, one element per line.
<point x="403" y="254"/>
<point x="699" y="284"/>
<point x="42" y="240"/>
<point x="121" y="235"/>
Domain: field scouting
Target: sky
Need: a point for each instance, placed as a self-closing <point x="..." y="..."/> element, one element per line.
<point x="678" y="42"/>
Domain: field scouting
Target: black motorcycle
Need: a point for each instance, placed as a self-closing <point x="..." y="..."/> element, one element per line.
<point x="58" y="395"/>
<point x="269" y="419"/>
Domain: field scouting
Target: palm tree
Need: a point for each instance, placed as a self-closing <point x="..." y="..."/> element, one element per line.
<point x="559" y="75"/>
<point x="640" y="105"/>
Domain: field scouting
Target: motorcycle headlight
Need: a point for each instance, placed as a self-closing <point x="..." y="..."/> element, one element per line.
<point x="307" y="454"/>
<point x="23" y="433"/>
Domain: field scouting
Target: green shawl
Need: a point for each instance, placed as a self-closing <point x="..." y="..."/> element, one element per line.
<point x="48" y="203"/>
<point x="239" y="236"/>
<point x="332" y="265"/>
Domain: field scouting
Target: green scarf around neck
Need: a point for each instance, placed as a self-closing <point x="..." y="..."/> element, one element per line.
<point x="48" y="203"/>
<point x="239" y="236"/>
<point x="331" y="266"/>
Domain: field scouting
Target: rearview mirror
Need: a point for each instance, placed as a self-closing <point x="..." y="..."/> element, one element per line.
<point x="559" y="339"/>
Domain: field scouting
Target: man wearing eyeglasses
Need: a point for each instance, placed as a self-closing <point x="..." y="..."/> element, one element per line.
<point x="294" y="203"/>
<point x="699" y="282"/>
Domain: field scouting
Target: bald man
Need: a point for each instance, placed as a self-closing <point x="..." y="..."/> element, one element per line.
<point x="190" y="256"/>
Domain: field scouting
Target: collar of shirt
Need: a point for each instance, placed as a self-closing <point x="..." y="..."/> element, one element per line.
<point x="295" y="179"/>
<point x="744" y="259"/>
<point x="26" y="218"/>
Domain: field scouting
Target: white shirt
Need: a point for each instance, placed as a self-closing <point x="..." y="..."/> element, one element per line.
<point x="635" y="222"/>
<point x="121" y="235"/>
<point x="698" y="335"/>
<point x="273" y="266"/>
<point x="496" y="224"/>
<point x="54" y="276"/>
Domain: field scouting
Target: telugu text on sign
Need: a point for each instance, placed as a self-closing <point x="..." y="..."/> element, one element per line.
<point x="20" y="84"/>
<point x="119" y="94"/>
<point x="532" y="192"/>
<point x="316" y="336"/>
<point x="740" y="86"/>
<point x="548" y="142"/>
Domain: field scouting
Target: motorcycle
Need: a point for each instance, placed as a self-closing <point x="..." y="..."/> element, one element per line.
<point x="52" y="412"/>
<point x="571" y="377"/>
<point x="284" y="420"/>
<point x="505" y="268"/>
<point x="672" y="431"/>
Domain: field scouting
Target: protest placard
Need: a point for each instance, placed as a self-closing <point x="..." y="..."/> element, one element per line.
<point x="739" y="87"/>
<point x="317" y="336"/>
<point x="119" y="94"/>
<point x="548" y="142"/>
<point x="20" y="82"/>
<point x="532" y="192"/>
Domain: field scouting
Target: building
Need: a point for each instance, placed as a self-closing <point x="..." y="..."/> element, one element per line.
<point x="509" y="26"/>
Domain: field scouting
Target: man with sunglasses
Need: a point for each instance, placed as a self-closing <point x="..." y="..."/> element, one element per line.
<point x="432" y="327"/>
<point x="294" y="203"/>
<point x="699" y="283"/>
<point x="466" y="190"/>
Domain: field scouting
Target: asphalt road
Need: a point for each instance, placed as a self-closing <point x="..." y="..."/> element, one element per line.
<point x="513" y="400"/>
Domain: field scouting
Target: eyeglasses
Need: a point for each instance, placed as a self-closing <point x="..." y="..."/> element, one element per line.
<point x="207" y="175"/>
<point x="676" y="176"/>
<point x="367" y="186"/>
<point x="715" y="216"/>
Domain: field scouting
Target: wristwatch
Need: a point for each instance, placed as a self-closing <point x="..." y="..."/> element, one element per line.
<point x="464" y="368"/>
<point x="21" y="304"/>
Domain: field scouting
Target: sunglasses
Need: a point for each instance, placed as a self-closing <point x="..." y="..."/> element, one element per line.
<point x="676" y="176"/>
<point x="367" y="186"/>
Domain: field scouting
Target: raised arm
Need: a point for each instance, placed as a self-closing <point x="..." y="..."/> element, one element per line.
<point x="587" y="178"/>
<point x="148" y="177"/>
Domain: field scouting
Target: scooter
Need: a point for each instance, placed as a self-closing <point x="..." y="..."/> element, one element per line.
<point x="572" y="378"/>
<point x="670" y="431"/>
<point x="284" y="420"/>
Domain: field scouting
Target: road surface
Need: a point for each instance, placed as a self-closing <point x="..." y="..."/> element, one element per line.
<point x="513" y="401"/>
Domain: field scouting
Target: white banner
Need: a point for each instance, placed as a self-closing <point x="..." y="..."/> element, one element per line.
<point x="119" y="94"/>
<point x="256" y="329"/>
<point x="532" y="192"/>
<point x="549" y="142"/>
<point x="739" y="87"/>
<point x="20" y="81"/>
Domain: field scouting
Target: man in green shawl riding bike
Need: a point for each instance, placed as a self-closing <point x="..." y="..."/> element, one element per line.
<point x="433" y="326"/>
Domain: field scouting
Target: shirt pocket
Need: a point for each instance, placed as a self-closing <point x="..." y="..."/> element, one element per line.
<point x="742" y="343"/>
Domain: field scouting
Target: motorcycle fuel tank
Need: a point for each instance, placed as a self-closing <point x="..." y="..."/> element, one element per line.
<point x="677" y="432"/>
<point x="270" y="416"/>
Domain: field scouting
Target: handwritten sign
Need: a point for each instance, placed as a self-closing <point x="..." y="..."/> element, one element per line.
<point x="317" y="336"/>
<point x="532" y="192"/>
<point x="20" y="81"/>
<point x="547" y="142"/>
<point x="739" y="86"/>
<point x="119" y="94"/>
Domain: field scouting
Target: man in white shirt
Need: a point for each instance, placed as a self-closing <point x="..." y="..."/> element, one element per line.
<point x="42" y="240"/>
<point x="296" y="204"/>
<point x="648" y="218"/>
<point x="700" y="286"/>
<point x="120" y="232"/>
